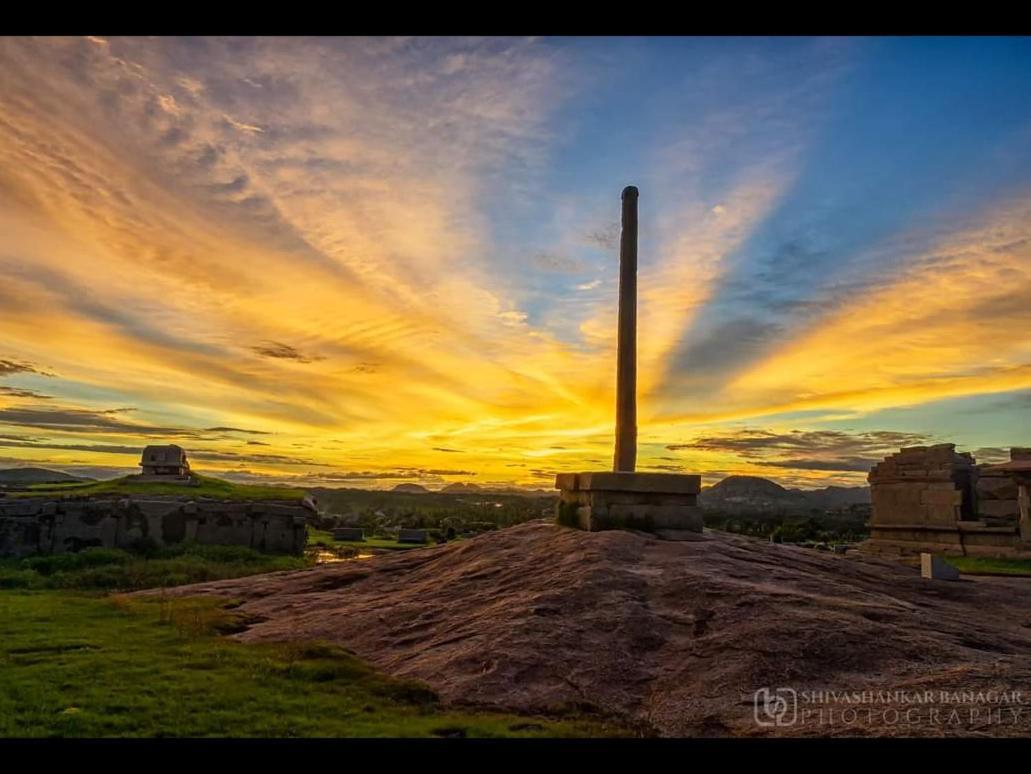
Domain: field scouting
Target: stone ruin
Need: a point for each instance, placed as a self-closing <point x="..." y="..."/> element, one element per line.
<point x="52" y="526"/>
<point x="998" y="489"/>
<point x="933" y="499"/>
<point x="165" y="465"/>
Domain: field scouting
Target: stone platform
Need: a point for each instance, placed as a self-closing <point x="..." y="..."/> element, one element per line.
<point x="663" y="503"/>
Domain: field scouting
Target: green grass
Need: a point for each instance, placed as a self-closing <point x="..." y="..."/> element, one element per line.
<point x="978" y="565"/>
<point x="209" y="487"/>
<point x="112" y="568"/>
<point x="320" y="537"/>
<point x="76" y="665"/>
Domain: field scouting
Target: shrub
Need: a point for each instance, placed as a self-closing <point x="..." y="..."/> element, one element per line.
<point x="146" y="547"/>
<point x="50" y="564"/>
<point x="17" y="579"/>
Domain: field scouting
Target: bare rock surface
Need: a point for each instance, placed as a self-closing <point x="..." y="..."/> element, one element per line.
<point x="674" y="637"/>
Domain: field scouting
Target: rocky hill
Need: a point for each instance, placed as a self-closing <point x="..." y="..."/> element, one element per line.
<point x="23" y="476"/>
<point x="753" y="493"/>
<point x="674" y="638"/>
<point x="461" y="488"/>
<point x="411" y="489"/>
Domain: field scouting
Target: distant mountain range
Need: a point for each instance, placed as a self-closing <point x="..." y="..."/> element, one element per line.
<point x="37" y="476"/>
<point x="761" y="494"/>
<point x="462" y="487"/>
<point x="466" y="488"/>
<point x="750" y="493"/>
<point x="411" y="489"/>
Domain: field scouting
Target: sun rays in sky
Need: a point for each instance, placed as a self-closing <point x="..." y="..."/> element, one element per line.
<point x="366" y="261"/>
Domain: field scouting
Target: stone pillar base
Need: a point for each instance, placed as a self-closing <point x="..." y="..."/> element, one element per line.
<point x="663" y="503"/>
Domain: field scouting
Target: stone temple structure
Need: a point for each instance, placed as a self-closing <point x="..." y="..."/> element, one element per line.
<point x="51" y="524"/>
<point x="164" y="463"/>
<point x="663" y="503"/>
<point x="933" y="499"/>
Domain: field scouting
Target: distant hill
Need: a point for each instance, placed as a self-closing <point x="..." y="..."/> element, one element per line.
<point x="515" y="490"/>
<point x="839" y="496"/>
<point x="38" y="476"/>
<point x="205" y="486"/>
<point x="411" y="489"/>
<point x="461" y="488"/>
<point x="755" y="493"/>
<point x="752" y="492"/>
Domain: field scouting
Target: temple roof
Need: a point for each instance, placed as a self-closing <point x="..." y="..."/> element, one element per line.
<point x="163" y="455"/>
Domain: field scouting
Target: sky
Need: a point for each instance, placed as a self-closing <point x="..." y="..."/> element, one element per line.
<point x="362" y="262"/>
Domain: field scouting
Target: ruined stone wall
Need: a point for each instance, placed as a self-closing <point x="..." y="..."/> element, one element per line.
<point x="39" y="525"/>
<point x="923" y="485"/>
<point x="997" y="496"/>
<point x="935" y="500"/>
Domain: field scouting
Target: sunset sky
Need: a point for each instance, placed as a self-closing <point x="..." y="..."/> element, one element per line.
<point x="360" y="262"/>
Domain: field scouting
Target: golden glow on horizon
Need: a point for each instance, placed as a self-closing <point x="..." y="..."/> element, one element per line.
<point x="334" y="292"/>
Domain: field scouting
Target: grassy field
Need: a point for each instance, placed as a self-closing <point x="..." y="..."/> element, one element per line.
<point x="74" y="662"/>
<point x="78" y="665"/>
<point x="320" y="537"/>
<point x="209" y="487"/>
<point x="115" y="569"/>
<point x="976" y="565"/>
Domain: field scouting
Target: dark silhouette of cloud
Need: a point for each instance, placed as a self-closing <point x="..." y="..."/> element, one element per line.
<point x="844" y="464"/>
<point x="8" y="367"/>
<point x="216" y="456"/>
<point x="280" y="351"/>
<point x="400" y="473"/>
<point x="756" y="442"/>
<point x="17" y="392"/>
<point x="85" y="421"/>
<point x="366" y="368"/>
<point x="606" y="237"/>
<point x="193" y="454"/>
<point x="237" y="430"/>
<point x="84" y="447"/>
<point x="827" y="450"/>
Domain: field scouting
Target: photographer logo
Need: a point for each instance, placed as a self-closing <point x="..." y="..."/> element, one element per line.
<point x="776" y="707"/>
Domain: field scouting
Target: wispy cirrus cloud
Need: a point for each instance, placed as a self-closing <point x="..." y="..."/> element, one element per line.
<point x="194" y="453"/>
<point x="84" y="420"/>
<point x="379" y="249"/>
<point x="17" y="392"/>
<point x="280" y="351"/>
<point x="236" y="430"/>
<point x="805" y="450"/>
<point x="8" y="367"/>
<point x="758" y="442"/>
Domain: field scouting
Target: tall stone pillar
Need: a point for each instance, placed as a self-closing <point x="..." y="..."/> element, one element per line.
<point x="626" y="346"/>
<point x="665" y="504"/>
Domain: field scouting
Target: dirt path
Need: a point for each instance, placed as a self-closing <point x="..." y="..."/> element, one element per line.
<point x="677" y="636"/>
